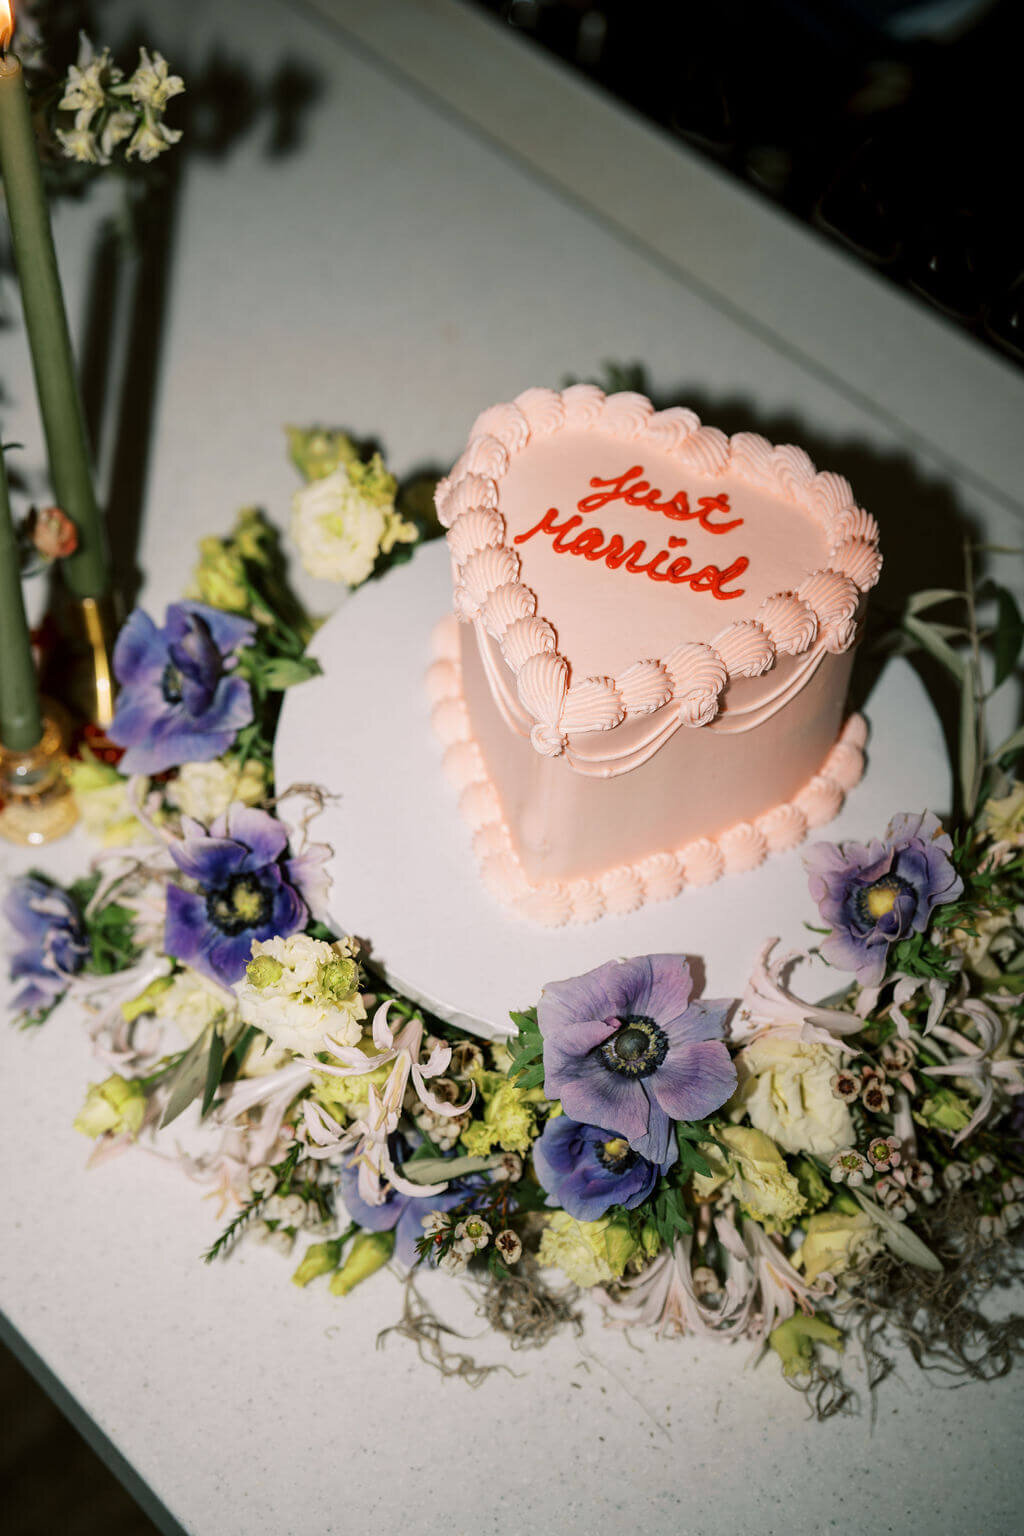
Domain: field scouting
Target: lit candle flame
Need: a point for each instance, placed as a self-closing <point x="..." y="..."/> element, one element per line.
<point x="6" y="24"/>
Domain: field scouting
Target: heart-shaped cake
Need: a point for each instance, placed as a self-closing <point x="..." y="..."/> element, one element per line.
<point x="646" y="690"/>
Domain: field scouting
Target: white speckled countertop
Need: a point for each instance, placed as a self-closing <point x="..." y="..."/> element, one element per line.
<point x="457" y="220"/>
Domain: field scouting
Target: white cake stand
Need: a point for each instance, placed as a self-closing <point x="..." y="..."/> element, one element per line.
<point x="404" y="875"/>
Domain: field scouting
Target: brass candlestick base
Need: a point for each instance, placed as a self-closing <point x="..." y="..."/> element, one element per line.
<point x="36" y="803"/>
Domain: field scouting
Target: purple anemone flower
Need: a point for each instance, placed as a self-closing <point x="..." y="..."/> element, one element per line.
<point x="585" y="1171"/>
<point x="179" y="702"/>
<point x="626" y="1050"/>
<point x="249" y="889"/>
<point x="401" y="1213"/>
<point x="873" y="895"/>
<point x="56" y="947"/>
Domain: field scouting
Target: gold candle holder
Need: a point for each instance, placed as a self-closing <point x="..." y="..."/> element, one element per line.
<point x="79" y="671"/>
<point x="36" y="802"/>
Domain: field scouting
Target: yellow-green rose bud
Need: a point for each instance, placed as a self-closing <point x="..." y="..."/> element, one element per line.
<point x="832" y="1242"/>
<point x="650" y="1240"/>
<point x="319" y="1259"/>
<point x="220" y="577"/>
<point x="370" y="1251"/>
<point x="812" y="1186"/>
<point x="337" y="979"/>
<point x="251" y="535"/>
<point x="117" y="1106"/>
<point x="264" y="971"/>
<point x="146" y="1001"/>
<point x="944" y="1110"/>
<point x="794" y="1340"/>
<point x="317" y="453"/>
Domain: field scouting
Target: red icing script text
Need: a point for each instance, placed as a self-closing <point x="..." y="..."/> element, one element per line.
<point x="591" y="543"/>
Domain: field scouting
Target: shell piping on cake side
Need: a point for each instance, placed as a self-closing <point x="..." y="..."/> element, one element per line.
<point x="658" y="876"/>
<point x="820" y="611"/>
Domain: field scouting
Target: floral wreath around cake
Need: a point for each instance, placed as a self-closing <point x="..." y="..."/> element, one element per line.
<point x="803" y="1175"/>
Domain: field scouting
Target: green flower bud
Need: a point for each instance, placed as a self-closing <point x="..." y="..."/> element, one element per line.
<point x="793" y="1341"/>
<point x="370" y="1251"/>
<point x="944" y="1110"/>
<point x="264" y="971"/>
<point x="220" y="577"/>
<point x="146" y="1001"/>
<point x="319" y="1259"/>
<point x="650" y="1240"/>
<point x="338" y="979"/>
<point x="620" y="1246"/>
<point x="117" y="1106"/>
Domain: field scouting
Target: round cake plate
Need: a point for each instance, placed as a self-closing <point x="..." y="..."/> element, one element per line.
<point x="404" y="877"/>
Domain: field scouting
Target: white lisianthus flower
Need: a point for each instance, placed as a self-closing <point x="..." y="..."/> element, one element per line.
<point x="342" y="522"/>
<point x="297" y="989"/>
<point x="205" y="790"/>
<point x="193" y="1002"/>
<point x="785" y="1089"/>
<point x="757" y="1176"/>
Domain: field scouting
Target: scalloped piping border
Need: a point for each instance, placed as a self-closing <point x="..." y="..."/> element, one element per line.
<point x="626" y="887"/>
<point x="486" y="568"/>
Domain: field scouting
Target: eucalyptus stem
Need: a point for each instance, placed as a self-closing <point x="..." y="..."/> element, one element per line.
<point x="973" y="699"/>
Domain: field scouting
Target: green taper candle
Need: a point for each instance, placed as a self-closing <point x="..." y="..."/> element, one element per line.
<point x="43" y="303"/>
<point x="21" y="724"/>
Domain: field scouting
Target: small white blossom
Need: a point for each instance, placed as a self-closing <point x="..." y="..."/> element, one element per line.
<point x="150" y="139"/>
<point x="289" y="1210"/>
<point x="955" y="1175"/>
<point x="118" y="127"/>
<point x="281" y="1241"/>
<point x="895" y="1197"/>
<point x="205" y="790"/>
<point x="473" y="1234"/>
<point x="509" y="1170"/>
<point x="84" y="90"/>
<point x="1013" y="1214"/>
<point x="1013" y="1189"/>
<point x="436" y="1221"/>
<point x="992" y="1228"/>
<point x="79" y="144"/>
<point x="509" y="1246"/>
<point x="454" y="1261"/>
<point x="151" y="85"/>
<point x="982" y="1166"/>
<point x="848" y="1166"/>
<point x="262" y="1179"/>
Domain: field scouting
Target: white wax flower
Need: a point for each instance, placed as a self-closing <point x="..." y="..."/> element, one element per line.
<point x="786" y="1091"/>
<point x="79" y="144"/>
<point x="299" y="988"/>
<point x="85" y="87"/>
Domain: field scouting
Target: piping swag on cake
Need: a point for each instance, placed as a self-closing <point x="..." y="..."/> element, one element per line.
<point x="646" y="689"/>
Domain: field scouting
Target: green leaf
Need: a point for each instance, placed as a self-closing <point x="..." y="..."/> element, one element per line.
<point x="439" y="1170"/>
<point x="189" y="1077"/>
<point x="904" y="1243"/>
<point x="531" y="1077"/>
<point x="1009" y="635"/>
<point x="932" y="642"/>
<point x="1012" y="743"/>
<point x="931" y="597"/>
<point x="214" y="1067"/>
<point x="284" y="672"/>
<point x="691" y="1159"/>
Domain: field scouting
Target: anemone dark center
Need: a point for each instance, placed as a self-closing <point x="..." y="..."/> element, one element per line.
<point x="616" y="1155"/>
<point x="242" y="902"/>
<point x="637" y="1048"/>
<point x="170" y="684"/>
<point x="877" y="900"/>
